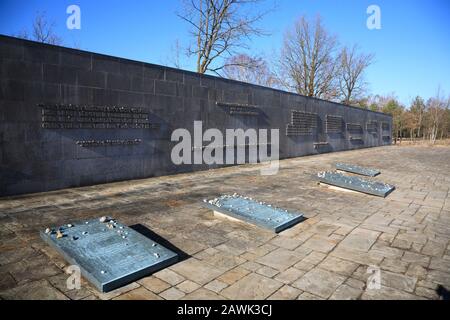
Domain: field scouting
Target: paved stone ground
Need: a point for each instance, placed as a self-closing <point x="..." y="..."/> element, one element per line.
<point x="325" y="257"/>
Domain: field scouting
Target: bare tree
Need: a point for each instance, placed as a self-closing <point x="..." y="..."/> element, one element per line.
<point x="308" y="64"/>
<point x="394" y="108"/>
<point x="351" y="74"/>
<point x="219" y="27"/>
<point x="42" y="31"/>
<point x="249" y="69"/>
<point x="410" y="121"/>
<point x="417" y="110"/>
<point x="436" y="111"/>
<point x="174" y="58"/>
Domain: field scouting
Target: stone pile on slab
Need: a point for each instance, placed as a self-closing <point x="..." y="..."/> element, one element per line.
<point x="246" y="209"/>
<point x="108" y="253"/>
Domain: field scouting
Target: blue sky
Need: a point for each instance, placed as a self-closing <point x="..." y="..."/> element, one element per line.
<point x="412" y="49"/>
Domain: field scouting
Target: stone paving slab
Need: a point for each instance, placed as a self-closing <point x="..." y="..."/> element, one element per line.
<point x="327" y="256"/>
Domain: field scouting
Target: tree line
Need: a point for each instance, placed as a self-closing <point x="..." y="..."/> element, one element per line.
<point x="421" y="120"/>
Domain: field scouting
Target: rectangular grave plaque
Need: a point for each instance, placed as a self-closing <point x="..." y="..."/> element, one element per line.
<point x="357" y="169"/>
<point x="355" y="183"/>
<point x="254" y="212"/>
<point x="109" y="254"/>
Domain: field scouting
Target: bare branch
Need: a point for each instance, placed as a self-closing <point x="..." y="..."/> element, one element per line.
<point x="307" y="63"/>
<point x="248" y="69"/>
<point x="351" y="74"/>
<point x="219" y="28"/>
<point x="42" y="31"/>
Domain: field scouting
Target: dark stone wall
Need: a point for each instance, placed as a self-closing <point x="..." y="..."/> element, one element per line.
<point x="35" y="159"/>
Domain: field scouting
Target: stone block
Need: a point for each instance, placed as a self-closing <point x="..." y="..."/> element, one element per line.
<point x="174" y="75"/>
<point x="75" y="58"/>
<point x="251" y="287"/>
<point x="360" y="239"/>
<point x="280" y="259"/>
<point x="59" y="74"/>
<point x="37" y="290"/>
<point x="91" y="79"/>
<point x="118" y="82"/>
<point x="319" y="282"/>
<point x="165" y="88"/>
<point x="105" y="64"/>
<point x="154" y="72"/>
<point x="197" y="271"/>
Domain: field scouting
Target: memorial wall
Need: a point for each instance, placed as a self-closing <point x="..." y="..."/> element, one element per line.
<point x="72" y="118"/>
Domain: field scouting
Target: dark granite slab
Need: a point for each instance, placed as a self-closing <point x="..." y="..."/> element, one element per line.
<point x="109" y="254"/>
<point x="254" y="212"/>
<point x="355" y="183"/>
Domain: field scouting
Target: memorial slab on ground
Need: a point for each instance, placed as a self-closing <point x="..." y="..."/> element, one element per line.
<point x="357" y="169"/>
<point x="327" y="256"/>
<point x="109" y="254"/>
<point x="245" y="209"/>
<point x="354" y="183"/>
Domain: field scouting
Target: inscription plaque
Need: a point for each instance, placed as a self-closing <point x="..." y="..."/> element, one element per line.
<point x="254" y="212"/>
<point x="356" y="131"/>
<point x="240" y="109"/>
<point x="99" y="143"/>
<point x="334" y="124"/>
<point x="357" y="169"/>
<point x="234" y="146"/>
<point x="372" y="127"/>
<point x="302" y="123"/>
<point x="356" y="139"/>
<point x="354" y="128"/>
<point x="108" y="253"/>
<point x="355" y="183"/>
<point x="94" y="117"/>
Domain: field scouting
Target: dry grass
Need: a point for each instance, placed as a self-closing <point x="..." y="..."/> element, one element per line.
<point x="424" y="143"/>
